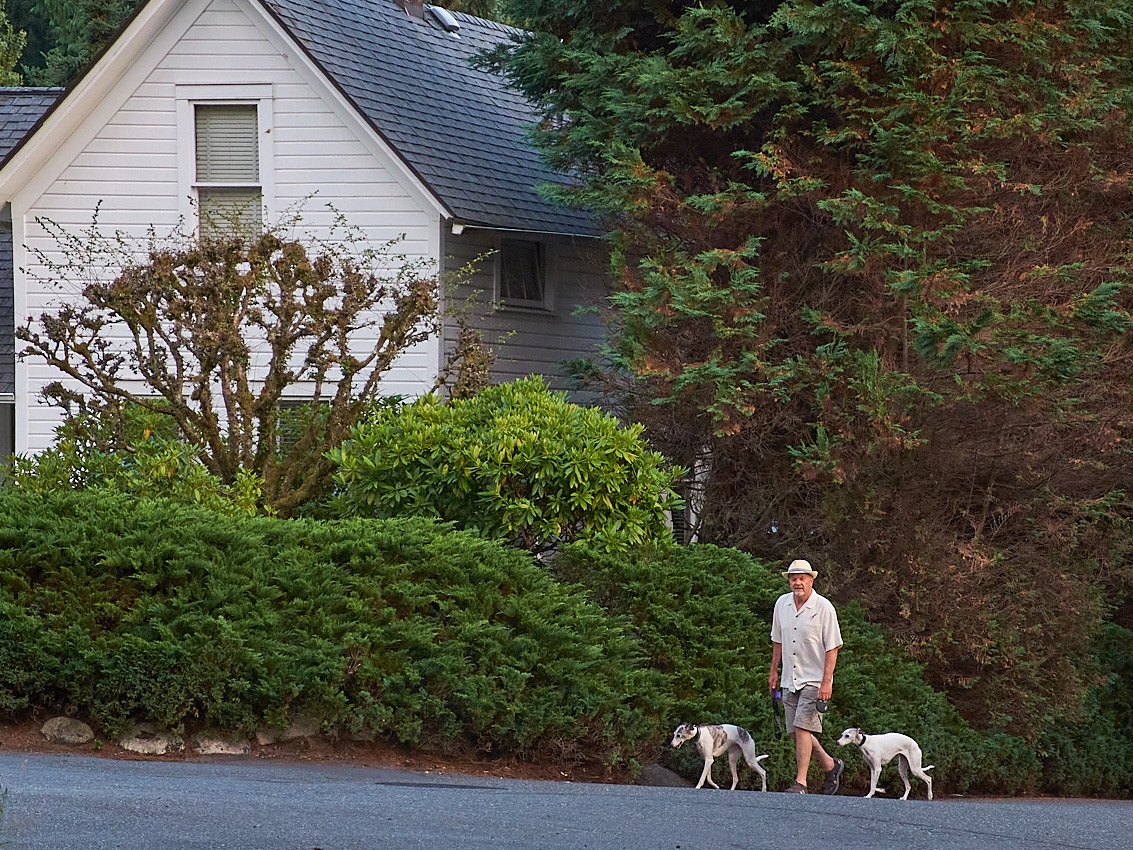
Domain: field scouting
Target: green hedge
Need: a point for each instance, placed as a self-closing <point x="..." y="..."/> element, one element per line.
<point x="124" y="609"/>
<point x="1094" y="756"/>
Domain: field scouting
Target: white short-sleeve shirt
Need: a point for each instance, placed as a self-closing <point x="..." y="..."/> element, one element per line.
<point x="806" y="634"/>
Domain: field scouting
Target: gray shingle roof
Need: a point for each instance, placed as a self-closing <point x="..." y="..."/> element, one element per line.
<point x="20" y="109"/>
<point x="460" y="129"/>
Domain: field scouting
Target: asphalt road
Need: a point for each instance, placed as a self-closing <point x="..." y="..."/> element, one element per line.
<point x="73" y="802"/>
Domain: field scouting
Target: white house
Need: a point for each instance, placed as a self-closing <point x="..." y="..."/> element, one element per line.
<point x="371" y="106"/>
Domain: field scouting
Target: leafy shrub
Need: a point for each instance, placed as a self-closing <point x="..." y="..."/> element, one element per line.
<point x="127" y="609"/>
<point x="323" y="317"/>
<point x="153" y="464"/>
<point x="704" y="613"/>
<point x="515" y="462"/>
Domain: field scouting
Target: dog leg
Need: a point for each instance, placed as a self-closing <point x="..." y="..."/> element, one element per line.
<point x="706" y="774"/>
<point x="747" y="747"/>
<point x="903" y="769"/>
<point x="733" y="757"/>
<point x="874" y="775"/>
<point x="916" y="758"/>
<point x="921" y="772"/>
<point x="758" y="768"/>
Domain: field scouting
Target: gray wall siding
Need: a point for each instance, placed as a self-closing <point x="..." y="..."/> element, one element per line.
<point x="527" y="342"/>
<point x="7" y="314"/>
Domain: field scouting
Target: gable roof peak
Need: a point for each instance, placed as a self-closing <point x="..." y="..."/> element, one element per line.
<point x="461" y="128"/>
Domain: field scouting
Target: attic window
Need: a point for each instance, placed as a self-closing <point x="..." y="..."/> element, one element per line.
<point x="229" y="194"/>
<point x="522" y="275"/>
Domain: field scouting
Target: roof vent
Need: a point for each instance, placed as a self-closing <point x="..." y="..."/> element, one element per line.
<point x="445" y="19"/>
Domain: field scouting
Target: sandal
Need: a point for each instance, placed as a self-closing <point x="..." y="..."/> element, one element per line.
<point x="796" y="788"/>
<point x="833" y="777"/>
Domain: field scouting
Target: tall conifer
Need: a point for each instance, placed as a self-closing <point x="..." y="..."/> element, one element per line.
<point x="874" y="263"/>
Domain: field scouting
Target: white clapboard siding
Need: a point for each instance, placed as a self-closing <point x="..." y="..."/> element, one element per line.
<point x="130" y="169"/>
<point x="526" y="342"/>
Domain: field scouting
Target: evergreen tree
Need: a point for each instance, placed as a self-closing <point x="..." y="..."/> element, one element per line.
<point x="875" y="260"/>
<point x="11" y="46"/>
<point x="34" y="26"/>
<point x="76" y="31"/>
<point x="489" y="9"/>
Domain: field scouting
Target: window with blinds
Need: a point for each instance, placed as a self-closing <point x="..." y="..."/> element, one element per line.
<point x="229" y="194"/>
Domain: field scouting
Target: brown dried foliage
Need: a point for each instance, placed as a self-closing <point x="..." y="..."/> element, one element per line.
<point x="978" y="506"/>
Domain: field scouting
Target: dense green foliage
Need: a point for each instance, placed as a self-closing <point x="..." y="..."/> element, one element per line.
<point x="875" y="285"/>
<point x="703" y="616"/>
<point x="12" y="41"/>
<point x="66" y="35"/>
<point x="127" y="609"/>
<point x="516" y="462"/>
<point x="122" y="609"/>
<point x="151" y="463"/>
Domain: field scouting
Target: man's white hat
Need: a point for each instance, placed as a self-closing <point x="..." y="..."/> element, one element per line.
<point x="800" y="567"/>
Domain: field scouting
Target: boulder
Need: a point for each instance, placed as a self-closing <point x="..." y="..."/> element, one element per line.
<point x="655" y="774"/>
<point x="211" y="743"/>
<point x="148" y="741"/>
<point x="300" y="727"/>
<point x="67" y="730"/>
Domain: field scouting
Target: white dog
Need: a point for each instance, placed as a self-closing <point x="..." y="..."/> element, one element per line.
<point x="712" y="741"/>
<point x="878" y="750"/>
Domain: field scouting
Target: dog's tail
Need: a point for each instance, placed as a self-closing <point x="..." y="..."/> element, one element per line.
<point x="758" y="759"/>
<point x="930" y="767"/>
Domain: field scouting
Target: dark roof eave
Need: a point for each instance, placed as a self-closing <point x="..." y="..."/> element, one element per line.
<point x="596" y="233"/>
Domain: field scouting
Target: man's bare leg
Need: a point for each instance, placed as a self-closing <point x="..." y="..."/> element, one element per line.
<point x="827" y="761"/>
<point x="806" y="746"/>
<point x="803" y="746"/>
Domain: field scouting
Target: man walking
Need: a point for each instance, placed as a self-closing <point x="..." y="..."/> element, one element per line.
<point x="805" y="637"/>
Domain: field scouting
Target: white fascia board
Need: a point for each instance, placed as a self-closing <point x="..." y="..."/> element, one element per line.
<point x="342" y="107"/>
<point x="98" y="95"/>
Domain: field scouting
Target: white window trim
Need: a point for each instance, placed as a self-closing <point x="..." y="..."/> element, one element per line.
<point x="188" y="96"/>
<point x="549" y="262"/>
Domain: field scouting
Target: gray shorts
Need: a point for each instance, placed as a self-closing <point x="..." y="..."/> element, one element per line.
<point x="801" y="711"/>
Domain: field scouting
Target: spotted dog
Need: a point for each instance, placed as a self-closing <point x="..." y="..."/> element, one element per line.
<point x="713" y="741"/>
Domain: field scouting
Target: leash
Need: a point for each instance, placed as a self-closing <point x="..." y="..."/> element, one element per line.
<point x="776" y="699"/>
